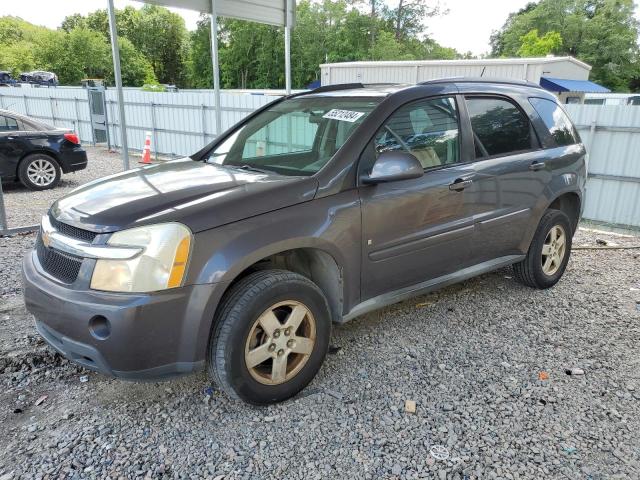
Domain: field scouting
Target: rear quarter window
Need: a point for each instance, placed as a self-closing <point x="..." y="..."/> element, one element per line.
<point x="557" y="122"/>
<point x="499" y="127"/>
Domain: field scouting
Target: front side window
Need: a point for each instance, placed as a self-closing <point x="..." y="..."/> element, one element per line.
<point x="428" y="129"/>
<point x="8" y="124"/>
<point x="560" y="127"/>
<point x="499" y="127"/>
<point x="294" y="137"/>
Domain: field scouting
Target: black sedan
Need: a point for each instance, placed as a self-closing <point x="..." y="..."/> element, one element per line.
<point x="35" y="153"/>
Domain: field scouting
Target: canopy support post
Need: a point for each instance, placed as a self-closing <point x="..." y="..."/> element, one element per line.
<point x="215" y="62"/>
<point x="287" y="47"/>
<point x="118" y="74"/>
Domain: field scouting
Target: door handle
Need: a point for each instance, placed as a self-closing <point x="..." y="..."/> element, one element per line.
<point x="460" y="184"/>
<point x="535" y="166"/>
<point x="11" y="137"/>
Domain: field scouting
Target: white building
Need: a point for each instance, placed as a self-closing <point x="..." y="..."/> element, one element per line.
<point x="550" y="72"/>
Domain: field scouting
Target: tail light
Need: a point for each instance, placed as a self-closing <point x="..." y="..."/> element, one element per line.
<point x="72" y="137"/>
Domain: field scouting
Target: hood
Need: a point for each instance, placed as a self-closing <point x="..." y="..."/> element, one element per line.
<point x="197" y="194"/>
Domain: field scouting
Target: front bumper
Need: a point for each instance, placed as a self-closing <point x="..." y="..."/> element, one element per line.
<point x="147" y="336"/>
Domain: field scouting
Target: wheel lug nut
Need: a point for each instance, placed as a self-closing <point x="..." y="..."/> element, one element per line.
<point x="272" y="347"/>
<point x="280" y="352"/>
<point x="291" y="343"/>
<point x="276" y="333"/>
<point x="287" y="332"/>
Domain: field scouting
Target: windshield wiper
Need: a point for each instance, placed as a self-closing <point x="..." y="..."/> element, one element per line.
<point x="252" y="168"/>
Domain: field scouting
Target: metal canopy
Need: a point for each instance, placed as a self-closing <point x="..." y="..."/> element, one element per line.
<point x="272" y="12"/>
<point x="568" y="85"/>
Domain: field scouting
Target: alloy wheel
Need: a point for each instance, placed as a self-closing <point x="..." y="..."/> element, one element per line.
<point x="280" y="342"/>
<point x="41" y="172"/>
<point x="553" y="250"/>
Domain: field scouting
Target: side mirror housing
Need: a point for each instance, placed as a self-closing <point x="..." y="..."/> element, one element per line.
<point x="394" y="166"/>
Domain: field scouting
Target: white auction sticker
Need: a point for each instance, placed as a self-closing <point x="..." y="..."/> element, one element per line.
<point x="343" y="115"/>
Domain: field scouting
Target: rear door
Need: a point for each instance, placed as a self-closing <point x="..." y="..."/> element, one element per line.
<point x="420" y="229"/>
<point x="11" y="146"/>
<point x="507" y="154"/>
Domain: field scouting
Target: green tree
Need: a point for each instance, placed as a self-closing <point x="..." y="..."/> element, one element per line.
<point x="535" y="46"/>
<point x="603" y="33"/>
<point x="59" y="52"/>
<point x="17" y="58"/>
<point x="157" y="33"/>
<point x="162" y="37"/>
<point x="136" y="69"/>
<point x="408" y="16"/>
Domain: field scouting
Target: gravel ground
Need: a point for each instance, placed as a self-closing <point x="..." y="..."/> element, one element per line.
<point x="471" y="356"/>
<point x="25" y="207"/>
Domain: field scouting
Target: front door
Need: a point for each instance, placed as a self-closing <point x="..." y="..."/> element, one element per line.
<point x="420" y="229"/>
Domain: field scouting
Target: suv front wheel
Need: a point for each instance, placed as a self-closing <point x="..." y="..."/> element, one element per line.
<point x="270" y="337"/>
<point x="548" y="253"/>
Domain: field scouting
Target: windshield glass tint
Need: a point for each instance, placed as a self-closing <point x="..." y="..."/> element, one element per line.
<point x="294" y="137"/>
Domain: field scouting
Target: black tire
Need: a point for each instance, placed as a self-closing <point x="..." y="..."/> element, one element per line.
<point x="239" y="310"/>
<point x="530" y="271"/>
<point x="31" y="161"/>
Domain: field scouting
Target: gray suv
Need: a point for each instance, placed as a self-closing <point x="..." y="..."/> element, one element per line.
<point x="316" y="209"/>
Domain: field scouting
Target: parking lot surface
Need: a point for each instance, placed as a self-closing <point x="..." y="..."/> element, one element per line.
<point x="484" y="361"/>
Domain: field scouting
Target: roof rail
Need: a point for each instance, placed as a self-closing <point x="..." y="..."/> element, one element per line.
<point x="506" y="81"/>
<point x="338" y="86"/>
<point x="329" y="88"/>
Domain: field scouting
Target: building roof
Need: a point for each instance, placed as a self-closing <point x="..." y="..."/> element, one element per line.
<point x="565" y="85"/>
<point x="484" y="61"/>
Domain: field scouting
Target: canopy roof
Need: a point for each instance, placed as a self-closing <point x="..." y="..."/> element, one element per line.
<point x="272" y="12"/>
<point x="565" y="85"/>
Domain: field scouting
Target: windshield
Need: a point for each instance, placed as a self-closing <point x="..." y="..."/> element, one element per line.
<point x="295" y="137"/>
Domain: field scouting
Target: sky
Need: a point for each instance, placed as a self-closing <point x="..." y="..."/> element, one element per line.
<point x="466" y="27"/>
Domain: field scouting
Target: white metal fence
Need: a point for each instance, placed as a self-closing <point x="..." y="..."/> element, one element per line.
<point x="181" y="122"/>
<point x="185" y="121"/>
<point x="612" y="136"/>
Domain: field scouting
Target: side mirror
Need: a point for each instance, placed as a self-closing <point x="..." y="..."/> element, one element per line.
<point x="394" y="166"/>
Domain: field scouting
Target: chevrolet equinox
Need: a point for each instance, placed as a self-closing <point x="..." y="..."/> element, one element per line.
<point x="317" y="208"/>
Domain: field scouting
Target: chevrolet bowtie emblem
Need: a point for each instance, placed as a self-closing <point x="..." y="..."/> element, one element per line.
<point x="46" y="238"/>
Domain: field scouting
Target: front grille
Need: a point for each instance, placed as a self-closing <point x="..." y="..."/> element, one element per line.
<point x="71" y="231"/>
<point x="59" y="265"/>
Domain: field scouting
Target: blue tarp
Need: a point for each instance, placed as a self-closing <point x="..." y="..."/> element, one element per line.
<point x="564" y="85"/>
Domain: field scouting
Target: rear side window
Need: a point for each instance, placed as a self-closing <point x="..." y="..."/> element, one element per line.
<point x="8" y="124"/>
<point x="560" y="127"/>
<point x="499" y="127"/>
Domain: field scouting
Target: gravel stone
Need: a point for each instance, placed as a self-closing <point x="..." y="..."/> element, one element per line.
<point x="477" y="347"/>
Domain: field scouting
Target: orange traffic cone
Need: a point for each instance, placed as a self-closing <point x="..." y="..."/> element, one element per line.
<point x="146" y="151"/>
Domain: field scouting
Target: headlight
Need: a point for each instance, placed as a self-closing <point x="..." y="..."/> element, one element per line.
<point x="161" y="265"/>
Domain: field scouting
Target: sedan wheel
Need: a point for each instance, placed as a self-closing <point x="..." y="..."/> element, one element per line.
<point x="41" y="172"/>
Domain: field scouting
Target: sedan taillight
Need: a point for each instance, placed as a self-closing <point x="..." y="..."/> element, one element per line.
<point x="72" y="137"/>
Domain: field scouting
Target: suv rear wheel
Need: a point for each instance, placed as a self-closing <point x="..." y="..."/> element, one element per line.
<point x="270" y="337"/>
<point x="548" y="253"/>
